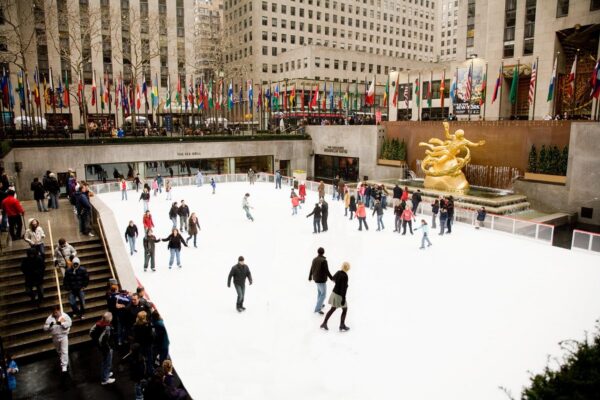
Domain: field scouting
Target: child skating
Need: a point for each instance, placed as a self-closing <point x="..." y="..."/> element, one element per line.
<point x="425" y="238"/>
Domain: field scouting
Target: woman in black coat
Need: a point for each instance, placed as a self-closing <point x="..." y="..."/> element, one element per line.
<point x="338" y="297"/>
<point x="175" y="241"/>
<point x="352" y="206"/>
<point x="39" y="194"/>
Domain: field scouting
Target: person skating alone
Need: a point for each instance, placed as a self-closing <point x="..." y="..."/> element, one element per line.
<point x="131" y="234"/>
<point x="213" y="185"/>
<point x="295" y="203"/>
<point x="75" y="281"/>
<point x="239" y="272"/>
<point x="481" y="214"/>
<point x="193" y="228"/>
<point x="378" y="209"/>
<point x="443" y="216"/>
<point x="302" y="192"/>
<point x="123" y="189"/>
<point x="352" y="206"/>
<point x="450" y="208"/>
<point x="277" y="179"/>
<point x="316" y="214"/>
<point x="149" y="243"/>
<point x="59" y="325"/>
<point x="199" y="179"/>
<point x="361" y="214"/>
<point x="169" y="190"/>
<point x="346" y="202"/>
<point x="137" y="181"/>
<point x="145" y="198"/>
<point x="173" y="213"/>
<point x="102" y="336"/>
<point x="337" y="299"/>
<point x="425" y="238"/>
<point x="246" y="207"/>
<point x="324" y="214"/>
<point x="147" y="220"/>
<point x="319" y="272"/>
<point x="398" y="210"/>
<point x="407" y="218"/>
<point x="175" y="241"/>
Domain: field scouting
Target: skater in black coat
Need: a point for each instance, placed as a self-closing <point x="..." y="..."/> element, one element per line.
<point x="33" y="268"/>
<point x="316" y="213"/>
<point x="239" y="272"/>
<point x="338" y="297"/>
<point x="319" y="272"/>
<point x="352" y="206"/>
<point x="324" y="214"/>
<point x="397" y="192"/>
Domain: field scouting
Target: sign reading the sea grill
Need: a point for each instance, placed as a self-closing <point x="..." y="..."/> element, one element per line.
<point x="335" y="149"/>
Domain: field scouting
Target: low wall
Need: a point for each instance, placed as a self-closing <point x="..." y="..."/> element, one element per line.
<point x="545" y="197"/>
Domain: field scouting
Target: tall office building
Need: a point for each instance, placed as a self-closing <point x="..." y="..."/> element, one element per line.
<point x="101" y="41"/>
<point x="448" y="21"/>
<point x="328" y="40"/>
<point x="207" y="44"/>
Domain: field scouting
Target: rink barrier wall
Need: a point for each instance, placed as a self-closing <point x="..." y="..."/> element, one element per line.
<point x="585" y="241"/>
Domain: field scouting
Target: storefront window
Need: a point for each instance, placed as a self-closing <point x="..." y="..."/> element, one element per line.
<point x="327" y="167"/>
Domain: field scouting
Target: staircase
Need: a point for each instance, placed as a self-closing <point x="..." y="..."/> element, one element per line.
<point x="21" y="322"/>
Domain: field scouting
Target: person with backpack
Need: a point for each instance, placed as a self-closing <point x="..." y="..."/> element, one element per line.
<point x="102" y="336"/>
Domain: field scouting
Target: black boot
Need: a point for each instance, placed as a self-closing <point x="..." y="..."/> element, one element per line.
<point x="343" y="327"/>
<point x="327" y="316"/>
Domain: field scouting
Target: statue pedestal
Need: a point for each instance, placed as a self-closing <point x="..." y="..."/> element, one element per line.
<point x="447" y="183"/>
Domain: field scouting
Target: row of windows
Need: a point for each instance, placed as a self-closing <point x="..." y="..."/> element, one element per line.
<point x="228" y="4"/>
<point x="371" y="39"/>
<point x="357" y="24"/>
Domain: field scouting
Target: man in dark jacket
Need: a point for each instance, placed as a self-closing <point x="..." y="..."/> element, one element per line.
<point x="324" y="214"/>
<point x="76" y="279"/>
<point x="316" y="213"/>
<point x="131" y="312"/>
<point x="33" y="268"/>
<point x="84" y="209"/>
<point x="102" y="335"/>
<point x="39" y="194"/>
<point x="239" y="272"/>
<point x="397" y="192"/>
<point x="184" y="214"/>
<point x="149" y="241"/>
<point x="416" y="199"/>
<point x="319" y="272"/>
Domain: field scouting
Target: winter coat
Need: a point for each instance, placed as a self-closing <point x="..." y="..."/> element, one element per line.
<point x="424" y="228"/>
<point x="175" y="242"/>
<point x="407" y="214"/>
<point x="397" y="192"/>
<point x="11" y="380"/>
<point x="183" y="211"/>
<point x="481" y="215"/>
<point x="321" y="189"/>
<point x="324" y="209"/>
<point x="199" y="177"/>
<point x="58" y="331"/>
<point x="147" y="221"/>
<point x="319" y="270"/>
<point x="361" y="212"/>
<point x="450" y="208"/>
<point x="173" y="212"/>
<point x="168" y="187"/>
<point x="33" y="267"/>
<point x="105" y="338"/>
<point x="416" y="198"/>
<point x="378" y="209"/>
<point x="239" y="273"/>
<point x="131" y="231"/>
<point x="341" y="283"/>
<point x="435" y="208"/>
<point x="34" y="237"/>
<point x="295" y="201"/>
<point x="149" y="241"/>
<point x="346" y="200"/>
<point x="38" y="191"/>
<point x="161" y="338"/>
<point x="154" y="185"/>
<point x="193" y="226"/>
<point x="316" y="212"/>
<point x="76" y="278"/>
<point x="52" y="186"/>
<point x="302" y="191"/>
<point x="352" y="205"/>
<point x="443" y="214"/>
<point x="12" y="207"/>
<point x="123" y="185"/>
<point x="61" y="254"/>
<point x="145" y="196"/>
<point x="82" y="203"/>
<point x="245" y="203"/>
<point x="143" y="335"/>
<point x="131" y="312"/>
<point x="404" y="195"/>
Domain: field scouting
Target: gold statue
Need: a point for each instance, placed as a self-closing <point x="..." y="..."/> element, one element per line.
<point x="443" y="164"/>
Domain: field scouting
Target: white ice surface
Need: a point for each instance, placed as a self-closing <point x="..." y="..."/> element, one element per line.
<point x="476" y="311"/>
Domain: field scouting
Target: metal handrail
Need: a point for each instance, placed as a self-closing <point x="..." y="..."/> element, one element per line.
<point x="108" y="255"/>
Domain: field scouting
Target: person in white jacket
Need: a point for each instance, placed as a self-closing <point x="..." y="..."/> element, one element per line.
<point x="34" y="235"/>
<point x="63" y="254"/>
<point x="59" y="325"/>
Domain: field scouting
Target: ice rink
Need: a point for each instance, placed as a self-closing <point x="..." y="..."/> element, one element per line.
<point x="474" y="312"/>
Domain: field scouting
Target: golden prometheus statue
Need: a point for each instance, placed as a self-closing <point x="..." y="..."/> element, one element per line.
<point x="444" y="162"/>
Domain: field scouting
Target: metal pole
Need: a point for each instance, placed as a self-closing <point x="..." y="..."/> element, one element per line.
<point x="574" y="99"/>
<point x="517" y="94"/>
<point x="470" y="79"/>
<point x="484" y="99"/>
<point x="501" y="90"/>
<point x="537" y="67"/>
<point x="58" y="293"/>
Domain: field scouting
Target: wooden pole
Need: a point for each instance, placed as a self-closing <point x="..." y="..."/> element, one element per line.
<point x="112" y="271"/>
<point x="58" y="293"/>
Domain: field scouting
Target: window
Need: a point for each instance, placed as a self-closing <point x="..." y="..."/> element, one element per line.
<point x="274" y="7"/>
<point x="509" y="50"/>
<point x="265" y="21"/>
<point x="264" y="6"/>
<point x="265" y="51"/>
<point x="274" y="68"/>
<point x="265" y="68"/>
<point x="317" y="62"/>
<point x="264" y="35"/>
<point x="562" y="8"/>
<point x="274" y="22"/>
<point x="594" y="5"/>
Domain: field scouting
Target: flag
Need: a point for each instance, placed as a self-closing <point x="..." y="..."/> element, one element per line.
<point x="51" y="89"/>
<point x="66" y="95"/>
<point x="453" y="89"/>
<point x="168" y="99"/>
<point x="94" y="88"/>
<point x="21" y="89"/>
<point x="178" y="93"/>
<point x="117" y="89"/>
<point x="220" y="93"/>
<point x="44" y="89"/>
<point x="59" y="94"/>
<point x="250" y="94"/>
<point x="442" y="90"/>
<point x="145" y="91"/>
<point x="513" y="87"/>
<point x="418" y="91"/>
<point x="483" y="89"/>
<point x="191" y="93"/>
<point x="331" y="96"/>
<point x="386" y="92"/>
<point x="497" y="85"/>
<point x="552" y="81"/>
<point x="276" y="98"/>
<point x="356" y="95"/>
<point x="406" y="94"/>
<point x="259" y="100"/>
<point x="532" y="82"/>
<point x="429" y="94"/>
<point x="339" y="105"/>
<point x="324" y="100"/>
<point x="230" y="96"/>
<point x="396" y="91"/>
<point x="101" y="96"/>
<point x="595" y="81"/>
<point x="268" y="97"/>
<point x="284" y="96"/>
<point x="211" y="102"/>
<point x="571" y="79"/>
<point x="315" y="99"/>
<point x="36" y="88"/>
<point x="106" y="92"/>
<point x="469" y="90"/>
<point x="155" y="91"/>
<point x="370" y="95"/>
<point x="346" y="96"/>
<point x="138" y="98"/>
<point x="241" y="97"/>
<point x="293" y="97"/>
<point x="80" y="98"/>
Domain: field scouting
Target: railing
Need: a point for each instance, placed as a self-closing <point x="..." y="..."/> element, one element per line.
<point x="532" y="230"/>
<point x="108" y="255"/>
<point x="585" y="241"/>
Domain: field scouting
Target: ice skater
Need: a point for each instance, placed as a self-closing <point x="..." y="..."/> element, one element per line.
<point x="193" y="228"/>
<point x="175" y="241"/>
<point x="435" y="209"/>
<point x="155" y="186"/>
<point x="147" y="220"/>
<point x="169" y="190"/>
<point x="145" y="198"/>
<point x="481" y="213"/>
<point x="184" y="213"/>
<point x="199" y="179"/>
<point x="239" y="272"/>
<point x="346" y="202"/>
<point x="213" y="184"/>
<point x="407" y="218"/>
<point x="352" y="206"/>
<point x="246" y="207"/>
<point x="131" y="234"/>
<point x="123" y="189"/>
<point x="319" y="272"/>
<point x="295" y="203"/>
<point x="324" y="214"/>
<point x="361" y="214"/>
<point x="173" y="213"/>
<point x="277" y="179"/>
<point x="337" y="299"/>
<point x="316" y="214"/>
<point x="302" y="192"/>
<point x="425" y="228"/>
<point x="443" y="216"/>
<point x="149" y="242"/>
<point x="378" y="209"/>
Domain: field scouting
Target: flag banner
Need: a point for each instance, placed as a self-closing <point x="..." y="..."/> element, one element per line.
<point x="250" y="95"/>
<point x="595" y="81"/>
<point x="571" y="79"/>
<point x="370" y="94"/>
<point x="443" y="89"/>
<point x="512" y="96"/>
<point x="552" y="83"/>
<point x="418" y="92"/>
<point x="532" y="82"/>
<point x="498" y="85"/>
<point x="466" y="88"/>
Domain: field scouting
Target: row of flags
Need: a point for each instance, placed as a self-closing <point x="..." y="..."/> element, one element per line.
<point x="216" y="95"/>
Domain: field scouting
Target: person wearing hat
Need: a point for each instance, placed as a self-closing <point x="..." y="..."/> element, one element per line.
<point x="34" y="235"/>
<point x="59" y="324"/>
<point x="239" y="272"/>
<point x="75" y="281"/>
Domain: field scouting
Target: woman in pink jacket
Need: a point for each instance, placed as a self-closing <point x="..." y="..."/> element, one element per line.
<point x="361" y="214"/>
<point x="407" y="218"/>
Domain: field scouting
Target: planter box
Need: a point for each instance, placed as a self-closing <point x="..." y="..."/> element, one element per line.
<point x="530" y="176"/>
<point x="392" y="163"/>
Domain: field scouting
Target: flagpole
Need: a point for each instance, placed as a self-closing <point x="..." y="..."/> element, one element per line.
<point x="419" y="95"/>
<point x="470" y="78"/>
<point x="516" y="114"/>
<point x="485" y="91"/>
<point x="555" y="87"/>
<point x="537" y="67"/>
<point x="52" y="98"/>
<point x="574" y="99"/>
<point x="501" y="90"/>
<point x="409" y="94"/>
<point x="20" y="105"/>
<point x="443" y="93"/>
<point x="430" y="93"/>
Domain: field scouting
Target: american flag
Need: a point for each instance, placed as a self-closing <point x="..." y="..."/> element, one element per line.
<point x="406" y="95"/>
<point x="532" y="82"/>
<point x="469" y="83"/>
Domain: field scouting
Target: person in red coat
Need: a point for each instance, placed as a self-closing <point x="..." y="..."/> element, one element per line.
<point x="404" y="196"/>
<point x="147" y="221"/>
<point x="302" y="192"/>
<point x="15" y="213"/>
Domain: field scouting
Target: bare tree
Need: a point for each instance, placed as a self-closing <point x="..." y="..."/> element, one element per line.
<point x="136" y="42"/>
<point x="18" y="32"/>
<point x="74" y="33"/>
